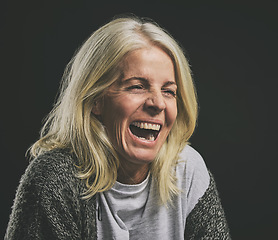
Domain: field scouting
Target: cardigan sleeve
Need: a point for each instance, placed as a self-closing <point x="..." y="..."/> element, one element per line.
<point x="207" y="219"/>
<point x="48" y="203"/>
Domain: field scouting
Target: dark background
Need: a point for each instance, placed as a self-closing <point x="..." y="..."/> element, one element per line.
<point x="232" y="48"/>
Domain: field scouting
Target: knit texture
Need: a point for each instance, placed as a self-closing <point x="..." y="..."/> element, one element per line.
<point x="207" y="219"/>
<point x="48" y="202"/>
<point x="48" y="205"/>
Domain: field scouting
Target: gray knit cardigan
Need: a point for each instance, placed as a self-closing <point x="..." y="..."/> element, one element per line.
<point x="48" y="205"/>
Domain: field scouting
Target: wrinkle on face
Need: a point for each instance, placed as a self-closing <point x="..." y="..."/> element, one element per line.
<point x="145" y="92"/>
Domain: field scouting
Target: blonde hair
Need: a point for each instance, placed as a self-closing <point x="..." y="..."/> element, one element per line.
<point x="92" y="70"/>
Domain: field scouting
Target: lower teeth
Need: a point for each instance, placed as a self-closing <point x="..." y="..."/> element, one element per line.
<point x="150" y="138"/>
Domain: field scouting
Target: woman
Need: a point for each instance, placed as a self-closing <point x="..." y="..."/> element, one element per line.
<point x="113" y="160"/>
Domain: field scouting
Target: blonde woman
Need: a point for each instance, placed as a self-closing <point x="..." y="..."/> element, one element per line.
<point x="113" y="160"/>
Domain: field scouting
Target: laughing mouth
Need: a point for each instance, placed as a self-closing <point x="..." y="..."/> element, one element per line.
<point x="144" y="130"/>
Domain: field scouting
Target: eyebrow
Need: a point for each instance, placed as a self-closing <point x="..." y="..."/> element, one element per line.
<point x="170" y="83"/>
<point x="135" y="78"/>
<point x="147" y="81"/>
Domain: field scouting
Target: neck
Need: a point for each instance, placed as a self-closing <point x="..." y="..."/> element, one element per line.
<point x="132" y="175"/>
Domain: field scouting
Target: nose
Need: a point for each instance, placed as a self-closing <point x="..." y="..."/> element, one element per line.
<point x="155" y="103"/>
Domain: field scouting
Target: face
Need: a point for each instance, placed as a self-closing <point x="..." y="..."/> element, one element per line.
<point x="139" y="110"/>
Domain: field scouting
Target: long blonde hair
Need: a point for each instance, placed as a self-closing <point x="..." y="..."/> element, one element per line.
<point x="91" y="71"/>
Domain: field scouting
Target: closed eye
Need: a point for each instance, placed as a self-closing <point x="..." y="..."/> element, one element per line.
<point x="169" y="92"/>
<point x="138" y="86"/>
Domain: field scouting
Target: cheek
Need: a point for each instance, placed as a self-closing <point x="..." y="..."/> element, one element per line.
<point x="128" y="105"/>
<point x="117" y="113"/>
<point x="172" y="114"/>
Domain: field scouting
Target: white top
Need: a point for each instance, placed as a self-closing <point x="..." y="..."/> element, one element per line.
<point x="132" y="211"/>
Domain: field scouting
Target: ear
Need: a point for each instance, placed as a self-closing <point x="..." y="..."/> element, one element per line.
<point x="97" y="107"/>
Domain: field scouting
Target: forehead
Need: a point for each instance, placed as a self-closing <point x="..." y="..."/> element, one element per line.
<point x="148" y="61"/>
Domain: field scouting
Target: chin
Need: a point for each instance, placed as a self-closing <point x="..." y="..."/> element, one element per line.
<point x="141" y="157"/>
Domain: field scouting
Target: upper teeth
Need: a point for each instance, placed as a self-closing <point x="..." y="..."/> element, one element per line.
<point x="151" y="126"/>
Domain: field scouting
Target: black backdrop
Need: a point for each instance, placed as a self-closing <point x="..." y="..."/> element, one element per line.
<point x="232" y="48"/>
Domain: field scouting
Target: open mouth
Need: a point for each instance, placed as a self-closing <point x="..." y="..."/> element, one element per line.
<point x="146" y="131"/>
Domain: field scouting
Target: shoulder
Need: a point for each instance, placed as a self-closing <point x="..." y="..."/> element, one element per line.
<point x="48" y="200"/>
<point x="207" y="219"/>
<point x="194" y="165"/>
<point x="51" y="170"/>
<point x="52" y="159"/>
<point x="194" y="176"/>
<point x="191" y="156"/>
